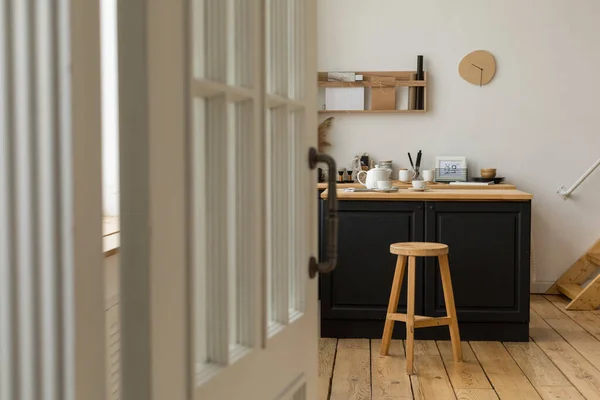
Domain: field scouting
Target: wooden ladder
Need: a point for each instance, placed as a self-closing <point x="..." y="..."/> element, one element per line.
<point x="586" y="297"/>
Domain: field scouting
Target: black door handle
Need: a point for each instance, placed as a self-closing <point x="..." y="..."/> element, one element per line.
<point x="328" y="265"/>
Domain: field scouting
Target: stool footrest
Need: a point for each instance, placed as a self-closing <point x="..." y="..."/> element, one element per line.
<point x="421" y="321"/>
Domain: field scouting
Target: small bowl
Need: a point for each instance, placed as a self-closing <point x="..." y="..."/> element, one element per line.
<point x="419" y="184"/>
<point x="488" y="173"/>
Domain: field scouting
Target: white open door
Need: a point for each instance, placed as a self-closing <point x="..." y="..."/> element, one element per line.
<point x="218" y="213"/>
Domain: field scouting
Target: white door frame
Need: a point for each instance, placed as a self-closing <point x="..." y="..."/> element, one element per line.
<point x="51" y="261"/>
<point x="85" y="331"/>
<point x="145" y="129"/>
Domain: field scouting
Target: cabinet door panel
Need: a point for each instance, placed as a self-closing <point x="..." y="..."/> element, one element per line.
<point x="359" y="288"/>
<point x="489" y="260"/>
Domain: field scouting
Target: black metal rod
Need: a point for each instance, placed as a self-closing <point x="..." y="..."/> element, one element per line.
<point x="420" y="95"/>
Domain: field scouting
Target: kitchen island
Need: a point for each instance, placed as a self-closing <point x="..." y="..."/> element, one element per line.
<point x="488" y="233"/>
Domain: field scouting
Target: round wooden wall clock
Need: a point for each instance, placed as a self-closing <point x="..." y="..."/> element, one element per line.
<point x="478" y="67"/>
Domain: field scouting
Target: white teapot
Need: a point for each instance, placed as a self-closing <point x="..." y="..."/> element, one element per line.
<point x="373" y="175"/>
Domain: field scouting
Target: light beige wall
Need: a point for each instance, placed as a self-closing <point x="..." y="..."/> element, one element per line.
<point x="538" y="122"/>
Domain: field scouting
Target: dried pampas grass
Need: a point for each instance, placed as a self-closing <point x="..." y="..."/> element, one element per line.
<point x="323" y="131"/>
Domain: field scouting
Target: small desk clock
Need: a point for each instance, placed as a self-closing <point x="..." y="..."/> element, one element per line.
<point x="450" y="169"/>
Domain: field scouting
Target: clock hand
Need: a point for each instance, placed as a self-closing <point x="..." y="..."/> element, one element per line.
<point x="476" y="66"/>
<point x="480" y="78"/>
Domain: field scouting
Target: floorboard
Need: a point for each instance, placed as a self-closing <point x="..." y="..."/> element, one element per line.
<point x="432" y="380"/>
<point x="545" y="309"/>
<point x="389" y="379"/>
<point x="352" y="372"/>
<point x="503" y="372"/>
<point x="561" y="362"/>
<point x="563" y="393"/>
<point x="588" y="320"/>
<point x="579" y="371"/>
<point x="536" y="365"/>
<point x="327" y="348"/>
<point x="476" y="394"/>
<point x="587" y="345"/>
<point x="465" y="375"/>
<point x="416" y="388"/>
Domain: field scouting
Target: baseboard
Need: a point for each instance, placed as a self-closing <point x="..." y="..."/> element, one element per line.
<point x="540" y="286"/>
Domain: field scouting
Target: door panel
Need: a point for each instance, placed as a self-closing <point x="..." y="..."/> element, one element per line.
<point x="360" y="287"/>
<point x="489" y="260"/>
<point x="233" y="180"/>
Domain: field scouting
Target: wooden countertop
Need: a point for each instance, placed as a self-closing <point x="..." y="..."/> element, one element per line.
<point x="437" y="195"/>
<point x="443" y="186"/>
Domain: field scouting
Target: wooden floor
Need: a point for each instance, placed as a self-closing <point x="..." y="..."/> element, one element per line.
<point x="560" y="361"/>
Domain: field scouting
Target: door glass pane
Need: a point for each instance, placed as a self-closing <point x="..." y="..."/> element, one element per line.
<point x="286" y="163"/>
<point x="243" y="311"/>
<point x="243" y="49"/>
<point x="199" y="256"/>
<point x="198" y="40"/>
<point x="224" y="245"/>
<point x="277" y="47"/>
<point x="224" y="38"/>
<point x="278" y="215"/>
<point x="210" y="230"/>
<point x="296" y="55"/>
<point x="215" y="39"/>
<point x="298" y="214"/>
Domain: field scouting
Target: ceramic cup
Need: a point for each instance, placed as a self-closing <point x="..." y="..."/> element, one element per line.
<point x="406" y="175"/>
<point x="427" y="175"/>
<point x="421" y="185"/>
<point x="385" y="185"/>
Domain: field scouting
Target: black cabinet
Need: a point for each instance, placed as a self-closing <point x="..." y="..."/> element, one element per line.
<point x="360" y="285"/>
<point x="489" y="261"/>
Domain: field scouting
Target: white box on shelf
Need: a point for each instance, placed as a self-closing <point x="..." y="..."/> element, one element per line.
<point x="402" y="98"/>
<point x="351" y="98"/>
<point x="341" y="76"/>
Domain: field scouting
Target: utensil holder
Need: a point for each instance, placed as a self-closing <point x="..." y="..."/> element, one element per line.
<point x="417" y="174"/>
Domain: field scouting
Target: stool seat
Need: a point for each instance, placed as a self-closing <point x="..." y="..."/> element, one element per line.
<point x="419" y="249"/>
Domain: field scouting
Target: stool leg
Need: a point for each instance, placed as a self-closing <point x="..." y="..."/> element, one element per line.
<point x="450" y="308"/>
<point x="410" y="316"/>
<point x="392" y="305"/>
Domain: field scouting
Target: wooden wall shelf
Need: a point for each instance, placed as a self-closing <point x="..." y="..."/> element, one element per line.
<point x="396" y="83"/>
<point x="372" y="111"/>
<point x="378" y="79"/>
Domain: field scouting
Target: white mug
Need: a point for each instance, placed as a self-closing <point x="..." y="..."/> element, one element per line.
<point x="421" y="185"/>
<point x="427" y="175"/>
<point x="384" y="185"/>
<point x="406" y="175"/>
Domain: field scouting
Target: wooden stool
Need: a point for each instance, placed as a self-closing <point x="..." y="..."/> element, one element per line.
<point x="412" y="250"/>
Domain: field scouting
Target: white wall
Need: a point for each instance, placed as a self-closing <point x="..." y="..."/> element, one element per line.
<point x="110" y="109"/>
<point x="538" y="122"/>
